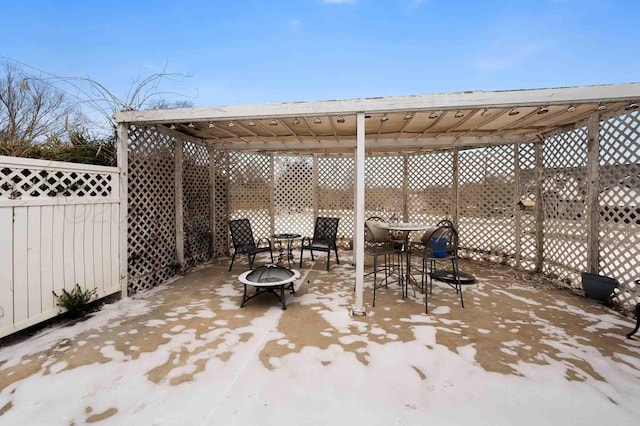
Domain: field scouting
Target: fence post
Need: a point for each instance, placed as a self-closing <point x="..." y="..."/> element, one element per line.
<point x="593" y="190"/>
<point x="123" y="223"/>
<point x="405" y="188"/>
<point x="315" y="186"/>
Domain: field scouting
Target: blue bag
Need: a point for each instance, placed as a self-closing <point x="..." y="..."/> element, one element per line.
<point x="439" y="246"/>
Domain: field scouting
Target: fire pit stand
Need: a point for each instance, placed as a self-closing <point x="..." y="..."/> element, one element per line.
<point x="269" y="279"/>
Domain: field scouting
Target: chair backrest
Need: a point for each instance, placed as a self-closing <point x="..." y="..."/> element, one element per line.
<point x="241" y="234"/>
<point x="326" y="230"/>
<point x="443" y="241"/>
<point x="372" y="233"/>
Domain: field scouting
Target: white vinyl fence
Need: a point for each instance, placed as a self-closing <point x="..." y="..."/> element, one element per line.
<point x="59" y="227"/>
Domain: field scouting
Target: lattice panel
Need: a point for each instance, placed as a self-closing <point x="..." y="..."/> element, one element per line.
<point x="487" y="197"/>
<point x="563" y="192"/>
<point x="335" y="192"/>
<point x="619" y="201"/>
<point x="430" y="193"/>
<point x="151" y="227"/>
<point x="384" y="180"/>
<point x="221" y="213"/>
<point x="249" y="191"/>
<point x="35" y="182"/>
<point x="527" y="218"/>
<point x="293" y="195"/>
<point x="196" y="204"/>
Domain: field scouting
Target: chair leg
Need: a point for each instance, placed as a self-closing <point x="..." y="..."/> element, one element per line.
<point x="457" y="274"/>
<point x="251" y="259"/>
<point x="336" y="250"/>
<point x="375" y="267"/>
<point x="233" y="258"/>
<point x="301" y="252"/>
<point x="271" y="253"/>
<point x="328" y="258"/>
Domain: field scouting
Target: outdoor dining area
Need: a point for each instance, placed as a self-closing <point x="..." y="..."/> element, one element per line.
<point x="396" y="258"/>
<point x="539" y="180"/>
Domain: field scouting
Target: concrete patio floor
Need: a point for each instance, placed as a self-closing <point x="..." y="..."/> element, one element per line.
<point x="185" y="353"/>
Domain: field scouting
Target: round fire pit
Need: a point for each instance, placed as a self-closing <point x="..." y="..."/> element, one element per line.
<point x="269" y="279"/>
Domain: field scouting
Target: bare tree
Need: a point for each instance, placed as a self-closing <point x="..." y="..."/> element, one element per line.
<point x="30" y="110"/>
<point x="162" y="103"/>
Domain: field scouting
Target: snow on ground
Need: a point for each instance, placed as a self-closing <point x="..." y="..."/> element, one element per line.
<point x="186" y="354"/>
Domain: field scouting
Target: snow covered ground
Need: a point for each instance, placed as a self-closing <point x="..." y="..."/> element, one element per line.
<point x="185" y="353"/>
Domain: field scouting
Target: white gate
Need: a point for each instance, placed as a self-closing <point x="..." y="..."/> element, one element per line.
<point x="59" y="226"/>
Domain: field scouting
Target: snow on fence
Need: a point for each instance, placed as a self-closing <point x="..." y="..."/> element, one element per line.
<point x="58" y="227"/>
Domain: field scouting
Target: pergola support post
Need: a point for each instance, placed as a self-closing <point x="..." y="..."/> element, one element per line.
<point x="272" y="194"/>
<point x="405" y="188"/>
<point x="539" y="209"/>
<point x="123" y="194"/>
<point x="517" y="213"/>
<point x="179" y="200"/>
<point x="212" y="200"/>
<point x="358" y="237"/>
<point x="314" y="177"/>
<point x="455" y="214"/>
<point x="593" y="189"/>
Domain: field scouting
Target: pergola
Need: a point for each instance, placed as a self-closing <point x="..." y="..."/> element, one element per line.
<point x="468" y="156"/>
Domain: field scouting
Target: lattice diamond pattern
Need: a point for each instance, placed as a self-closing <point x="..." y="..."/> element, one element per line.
<point x="221" y="214"/>
<point x="19" y="182"/>
<point x="249" y="191"/>
<point x="384" y="179"/>
<point x="335" y="192"/>
<point x="619" y="202"/>
<point x="487" y="197"/>
<point x="293" y="195"/>
<point x="528" y="220"/>
<point x="151" y="227"/>
<point x="563" y="192"/>
<point x="430" y="197"/>
<point x="196" y="204"/>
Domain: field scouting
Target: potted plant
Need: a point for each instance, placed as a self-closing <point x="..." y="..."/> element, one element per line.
<point x="598" y="287"/>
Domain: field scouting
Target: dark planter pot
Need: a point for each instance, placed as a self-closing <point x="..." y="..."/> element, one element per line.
<point x="598" y="287"/>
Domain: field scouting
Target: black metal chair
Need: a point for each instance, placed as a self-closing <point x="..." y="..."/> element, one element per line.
<point x="244" y="243"/>
<point x="324" y="238"/>
<point x="441" y="246"/>
<point x="377" y="243"/>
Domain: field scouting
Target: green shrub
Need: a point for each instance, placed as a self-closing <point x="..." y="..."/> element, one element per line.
<point x="76" y="301"/>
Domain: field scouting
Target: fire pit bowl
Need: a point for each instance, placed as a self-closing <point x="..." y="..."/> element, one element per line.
<point x="269" y="279"/>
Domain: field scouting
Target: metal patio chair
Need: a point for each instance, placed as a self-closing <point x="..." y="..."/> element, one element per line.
<point x="324" y="238"/>
<point x="377" y="243"/>
<point x="244" y="243"/>
<point x="441" y="246"/>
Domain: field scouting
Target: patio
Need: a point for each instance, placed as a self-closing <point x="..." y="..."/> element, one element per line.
<point x="185" y="353"/>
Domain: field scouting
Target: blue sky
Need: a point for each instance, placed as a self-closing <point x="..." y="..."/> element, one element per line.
<point x="270" y="51"/>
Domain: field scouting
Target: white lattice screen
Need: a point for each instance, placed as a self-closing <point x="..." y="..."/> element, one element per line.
<point x="249" y="191"/>
<point x="335" y="192"/>
<point x="384" y="180"/>
<point x="151" y="226"/>
<point x="196" y="204"/>
<point x="486" y="202"/>
<point x="563" y="192"/>
<point x="619" y="202"/>
<point x="430" y="187"/>
<point x="527" y="218"/>
<point x="221" y="206"/>
<point x="279" y="194"/>
<point x="293" y="195"/>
